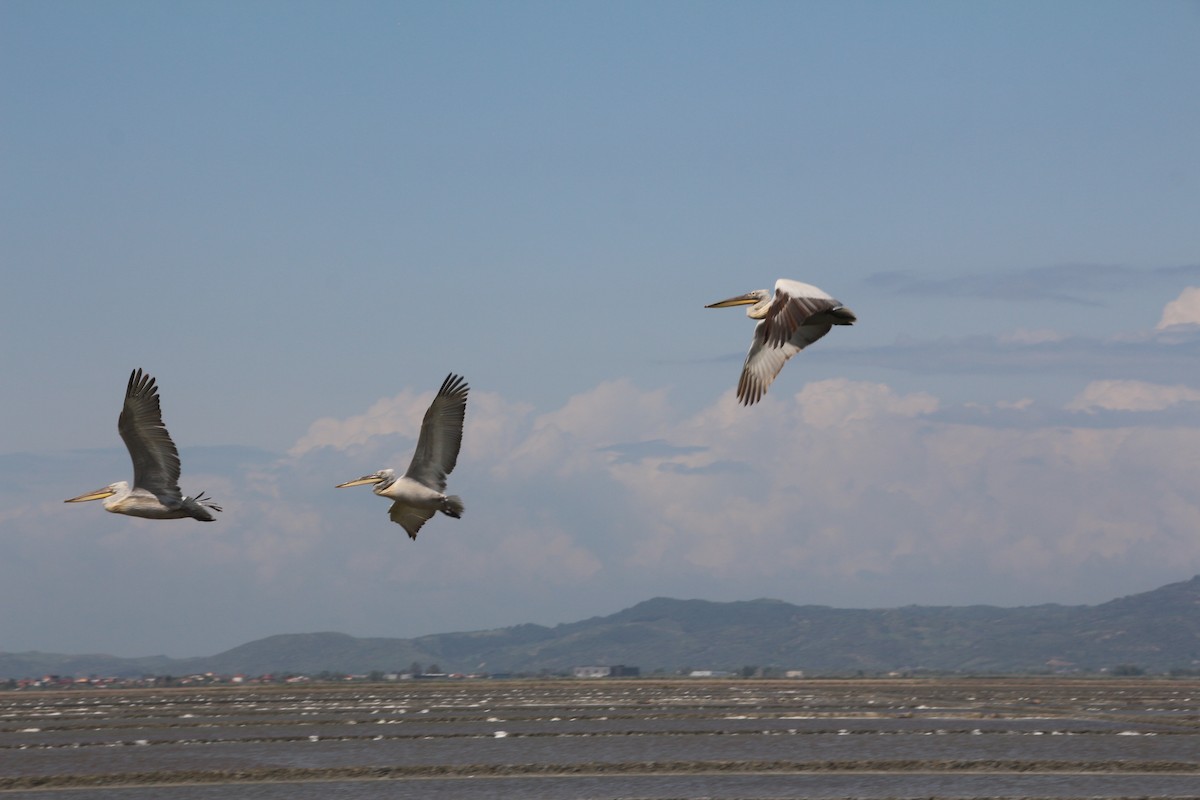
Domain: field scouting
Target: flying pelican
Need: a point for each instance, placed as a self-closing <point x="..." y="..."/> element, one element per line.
<point x="420" y="492"/>
<point x="155" y="493"/>
<point x="794" y="318"/>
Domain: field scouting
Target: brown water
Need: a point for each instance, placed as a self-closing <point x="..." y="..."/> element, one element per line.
<point x="613" y="739"/>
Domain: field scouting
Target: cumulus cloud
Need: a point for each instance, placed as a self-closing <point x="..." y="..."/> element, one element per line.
<point x="572" y="438"/>
<point x="400" y="414"/>
<point x="839" y="402"/>
<point x="1131" y="396"/>
<point x="844" y="492"/>
<point x="853" y="482"/>
<point x="1183" y="310"/>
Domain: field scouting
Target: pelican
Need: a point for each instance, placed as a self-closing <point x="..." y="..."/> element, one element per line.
<point x="420" y="492"/>
<point x="155" y="493"/>
<point x="794" y="318"/>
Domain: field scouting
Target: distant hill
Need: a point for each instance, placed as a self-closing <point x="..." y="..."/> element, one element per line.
<point x="1156" y="631"/>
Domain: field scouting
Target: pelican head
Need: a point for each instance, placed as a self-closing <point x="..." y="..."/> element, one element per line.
<point x="100" y="494"/>
<point x="761" y="298"/>
<point x="383" y="478"/>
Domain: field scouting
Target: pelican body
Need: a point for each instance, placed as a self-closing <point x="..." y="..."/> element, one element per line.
<point x="798" y="315"/>
<point x="420" y="492"/>
<point x="155" y="492"/>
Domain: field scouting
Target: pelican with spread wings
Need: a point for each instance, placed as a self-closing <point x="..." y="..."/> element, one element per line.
<point x="155" y="493"/>
<point x="794" y="318"/>
<point x="421" y="492"/>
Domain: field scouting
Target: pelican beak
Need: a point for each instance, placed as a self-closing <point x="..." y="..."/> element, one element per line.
<point x="740" y="300"/>
<point x="99" y="494"/>
<point x="360" y="481"/>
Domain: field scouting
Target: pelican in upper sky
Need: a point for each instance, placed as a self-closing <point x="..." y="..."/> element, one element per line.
<point x="155" y="493"/>
<point x="420" y="492"/>
<point x="794" y="318"/>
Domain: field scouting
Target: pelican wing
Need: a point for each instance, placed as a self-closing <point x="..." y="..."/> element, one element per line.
<point x="764" y="361"/>
<point x="441" y="437"/>
<point x="410" y="517"/>
<point x="155" y="458"/>
<point x="794" y="303"/>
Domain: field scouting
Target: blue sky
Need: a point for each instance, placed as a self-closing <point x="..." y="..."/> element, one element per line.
<point x="300" y="216"/>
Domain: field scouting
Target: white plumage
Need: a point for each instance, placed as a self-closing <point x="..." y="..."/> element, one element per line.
<point x="798" y="315"/>
<point x="155" y="493"/>
<point x="420" y="492"/>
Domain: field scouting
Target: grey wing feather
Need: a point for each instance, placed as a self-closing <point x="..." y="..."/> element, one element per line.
<point x="764" y="361"/>
<point x="441" y="435"/>
<point x="409" y="517"/>
<point x="788" y="313"/>
<point x="155" y="458"/>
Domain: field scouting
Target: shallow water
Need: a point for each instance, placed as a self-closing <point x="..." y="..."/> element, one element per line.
<point x="673" y="787"/>
<point x="650" y="739"/>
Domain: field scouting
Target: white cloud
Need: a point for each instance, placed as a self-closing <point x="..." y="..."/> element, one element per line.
<point x="1183" y="310"/>
<point x="570" y="439"/>
<point x="400" y="414"/>
<point x="846" y="493"/>
<point x="494" y="426"/>
<point x="852" y="482"/>
<point x="838" y="402"/>
<point x="1131" y="396"/>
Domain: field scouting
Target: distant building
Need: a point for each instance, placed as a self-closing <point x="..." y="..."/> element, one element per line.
<point x="710" y="673"/>
<point x="592" y="672"/>
<point x="615" y="671"/>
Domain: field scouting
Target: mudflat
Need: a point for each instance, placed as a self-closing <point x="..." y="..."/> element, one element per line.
<point x="679" y="738"/>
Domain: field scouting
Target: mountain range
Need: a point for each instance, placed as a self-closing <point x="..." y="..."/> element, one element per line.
<point x="1156" y="631"/>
